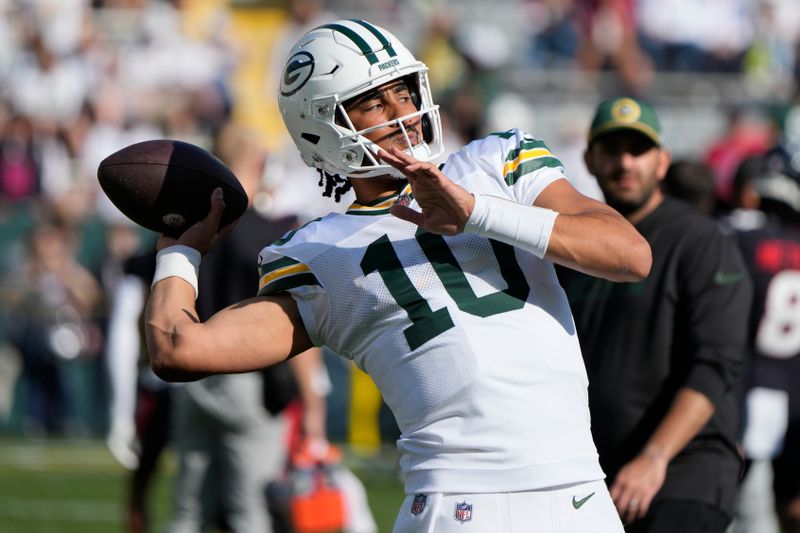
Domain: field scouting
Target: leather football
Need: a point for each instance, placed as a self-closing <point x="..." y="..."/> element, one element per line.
<point x="165" y="185"/>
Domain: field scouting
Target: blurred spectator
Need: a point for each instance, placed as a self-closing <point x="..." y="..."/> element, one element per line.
<point x="64" y="25"/>
<point x="467" y="60"/>
<point x="121" y="274"/>
<point x="472" y="57"/>
<point x="19" y="166"/>
<point x="466" y="108"/>
<point x="10" y="370"/>
<point x="111" y="128"/>
<point x="8" y="43"/>
<point x="487" y="50"/>
<point x="451" y="77"/>
<point x="692" y="182"/>
<point x="767" y="222"/>
<point x="437" y="49"/>
<point x="47" y="88"/>
<point x="689" y="36"/>
<point x="777" y="34"/>
<point x="570" y="143"/>
<point x="485" y="47"/>
<point x="727" y="33"/>
<point x="748" y="132"/>
<point x="168" y="77"/>
<point x="302" y="16"/>
<point x="609" y="40"/>
<point x="52" y="299"/>
<point x="554" y="32"/>
<point x="139" y="402"/>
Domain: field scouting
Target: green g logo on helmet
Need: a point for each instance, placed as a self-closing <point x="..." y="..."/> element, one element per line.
<point x="297" y="72"/>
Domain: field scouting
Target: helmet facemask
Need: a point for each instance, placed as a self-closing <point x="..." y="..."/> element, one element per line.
<point x="360" y="155"/>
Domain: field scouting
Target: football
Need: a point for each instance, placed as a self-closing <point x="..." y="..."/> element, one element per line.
<point x="165" y="185"/>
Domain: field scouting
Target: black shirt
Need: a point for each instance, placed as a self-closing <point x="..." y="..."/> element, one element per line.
<point x="683" y="326"/>
<point x="229" y="273"/>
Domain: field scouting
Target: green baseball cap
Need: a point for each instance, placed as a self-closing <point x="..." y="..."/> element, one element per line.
<point x="626" y="114"/>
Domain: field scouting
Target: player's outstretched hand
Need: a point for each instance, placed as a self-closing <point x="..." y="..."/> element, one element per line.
<point x="203" y="235"/>
<point x="445" y="205"/>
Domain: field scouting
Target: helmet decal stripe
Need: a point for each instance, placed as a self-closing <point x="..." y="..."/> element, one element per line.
<point x="381" y="37"/>
<point x="357" y="39"/>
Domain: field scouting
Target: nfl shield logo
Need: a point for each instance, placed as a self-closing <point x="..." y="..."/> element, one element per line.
<point x="463" y="512"/>
<point x="419" y="504"/>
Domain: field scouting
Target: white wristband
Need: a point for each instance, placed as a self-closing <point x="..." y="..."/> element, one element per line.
<point x="178" y="261"/>
<point x="524" y="226"/>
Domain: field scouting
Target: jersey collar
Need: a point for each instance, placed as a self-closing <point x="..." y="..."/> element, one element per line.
<point x="381" y="205"/>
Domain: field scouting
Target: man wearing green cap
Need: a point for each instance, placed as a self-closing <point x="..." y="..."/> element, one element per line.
<point x="664" y="354"/>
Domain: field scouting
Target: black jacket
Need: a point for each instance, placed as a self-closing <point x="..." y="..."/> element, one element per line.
<point x="683" y="326"/>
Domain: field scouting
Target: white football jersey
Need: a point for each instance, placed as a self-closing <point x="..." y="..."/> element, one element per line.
<point x="470" y="341"/>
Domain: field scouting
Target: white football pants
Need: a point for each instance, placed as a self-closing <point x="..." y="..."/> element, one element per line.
<point x="582" y="508"/>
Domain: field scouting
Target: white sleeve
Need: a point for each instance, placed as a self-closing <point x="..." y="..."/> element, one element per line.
<point x="123" y="347"/>
<point x="520" y="163"/>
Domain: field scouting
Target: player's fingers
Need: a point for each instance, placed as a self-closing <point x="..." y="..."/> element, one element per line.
<point x="412" y="165"/>
<point x="406" y="213"/>
<point x="402" y="155"/>
<point x="405" y="166"/>
<point x="390" y="158"/>
<point x="217" y="207"/>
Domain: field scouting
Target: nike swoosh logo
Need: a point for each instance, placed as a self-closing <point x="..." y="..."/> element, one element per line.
<point x="577" y="504"/>
<point x="723" y="278"/>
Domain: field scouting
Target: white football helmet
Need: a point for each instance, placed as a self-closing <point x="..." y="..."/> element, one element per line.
<point x="330" y="65"/>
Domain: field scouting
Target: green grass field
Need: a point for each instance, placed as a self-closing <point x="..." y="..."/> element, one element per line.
<point x="66" y="486"/>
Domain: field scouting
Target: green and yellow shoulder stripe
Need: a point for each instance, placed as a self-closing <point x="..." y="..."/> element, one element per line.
<point x="525" y="155"/>
<point x="283" y="274"/>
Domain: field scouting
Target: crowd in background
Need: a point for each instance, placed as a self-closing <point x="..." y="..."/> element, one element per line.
<point x="80" y="79"/>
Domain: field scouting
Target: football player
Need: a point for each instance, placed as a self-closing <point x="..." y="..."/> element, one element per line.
<point x="767" y="222"/>
<point x="438" y="282"/>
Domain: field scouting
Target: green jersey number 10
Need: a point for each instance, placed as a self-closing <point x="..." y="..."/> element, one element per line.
<point x="427" y="323"/>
